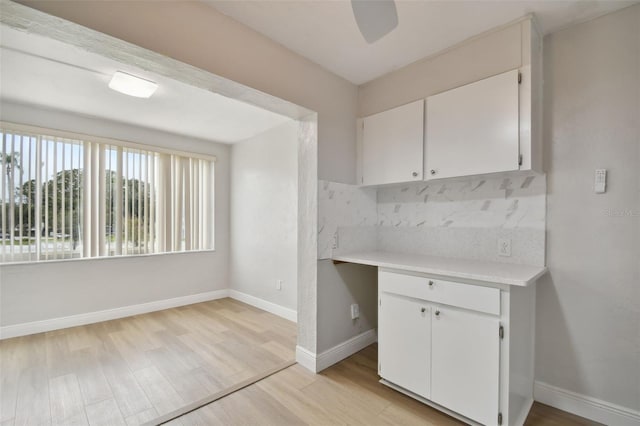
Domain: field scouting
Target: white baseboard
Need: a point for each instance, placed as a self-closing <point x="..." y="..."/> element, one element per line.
<point x="24" y="329"/>
<point x="345" y="349"/>
<point x="326" y="359"/>
<point x="306" y="358"/>
<point x="585" y="406"/>
<point x="270" y="307"/>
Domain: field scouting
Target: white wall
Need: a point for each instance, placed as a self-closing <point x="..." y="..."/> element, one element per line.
<point x="35" y="292"/>
<point x="588" y="308"/>
<point x="264" y="207"/>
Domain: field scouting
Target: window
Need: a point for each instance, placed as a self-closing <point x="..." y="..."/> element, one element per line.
<point x="73" y="197"/>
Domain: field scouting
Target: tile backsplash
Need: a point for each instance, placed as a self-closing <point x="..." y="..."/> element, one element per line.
<point x="461" y="218"/>
<point x="349" y="207"/>
<point x="514" y="202"/>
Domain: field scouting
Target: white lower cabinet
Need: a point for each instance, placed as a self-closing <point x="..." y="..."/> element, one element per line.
<point x="451" y="345"/>
<point x="465" y="359"/>
<point x="404" y="336"/>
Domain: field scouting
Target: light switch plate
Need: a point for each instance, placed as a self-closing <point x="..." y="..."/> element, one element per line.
<point x="600" y="186"/>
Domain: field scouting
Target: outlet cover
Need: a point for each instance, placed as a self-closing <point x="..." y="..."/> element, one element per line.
<point x="334" y="244"/>
<point x="504" y="247"/>
<point x="278" y="285"/>
<point x="355" y="311"/>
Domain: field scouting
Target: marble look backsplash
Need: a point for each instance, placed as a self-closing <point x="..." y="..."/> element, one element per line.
<point x="498" y="202"/>
<point x="348" y="207"/>
<point x="462" y="218"/>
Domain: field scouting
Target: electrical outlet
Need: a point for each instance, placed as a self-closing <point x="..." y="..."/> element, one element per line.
<point x="504" y="247"/>
<point x="334" y="244"/>
<point x="355" y="311"/>
<point x="278" y="285"/>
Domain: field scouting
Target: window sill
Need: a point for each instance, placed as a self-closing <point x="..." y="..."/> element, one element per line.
<point x="121" y="257"/>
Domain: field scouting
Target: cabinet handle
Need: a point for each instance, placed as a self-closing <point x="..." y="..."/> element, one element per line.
<point x="433" y="172"/>
<point x="430" y="283"/>
<point x="423" y="310"/>
<point x="414" y="174"/>
<point x="438" y="314"/>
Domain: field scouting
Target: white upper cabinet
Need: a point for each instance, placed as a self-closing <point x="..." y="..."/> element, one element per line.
<point x="474" y="129"/>
<point x="490" y="125"/>
<point x="393" y="144"/>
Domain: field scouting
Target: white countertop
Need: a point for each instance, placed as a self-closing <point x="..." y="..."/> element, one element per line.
<point x="477" y="270"/>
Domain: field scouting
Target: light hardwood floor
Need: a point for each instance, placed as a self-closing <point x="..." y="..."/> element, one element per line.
<point x="134" y="369"/>
<point x="346" y="393"/>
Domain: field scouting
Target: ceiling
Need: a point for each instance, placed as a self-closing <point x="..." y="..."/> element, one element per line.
<point x="51" y="74"/>
<point x="325" y="31"/>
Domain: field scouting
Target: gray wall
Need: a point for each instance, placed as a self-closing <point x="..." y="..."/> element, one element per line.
<point x="588" y="308"/>
<point x="40" y="291"/>
<point x="344" y="284"/>
<point x="264" y="211"/>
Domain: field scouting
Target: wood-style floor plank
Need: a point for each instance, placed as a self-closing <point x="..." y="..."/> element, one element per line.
<point x="104" y="413"/>
<point x="11" y="365"/>
<point x="347" y="393"/>
<point x="132" y="370"/>
<point x="143" y="366"/>
<point x="161" y="393"/>
<point x="142" y="417"/>
<point x="93" y="383"/>
<point x="32" y="393"/>
<point x="67" y="406"/>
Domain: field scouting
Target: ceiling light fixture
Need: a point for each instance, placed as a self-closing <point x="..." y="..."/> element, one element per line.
<point x="132" y="85"/>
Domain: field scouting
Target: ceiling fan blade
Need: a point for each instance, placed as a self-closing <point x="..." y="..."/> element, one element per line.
<point x="375" y="18"/>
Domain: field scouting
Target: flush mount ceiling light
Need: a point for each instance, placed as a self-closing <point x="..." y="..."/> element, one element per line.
<point x="132" y="85"/>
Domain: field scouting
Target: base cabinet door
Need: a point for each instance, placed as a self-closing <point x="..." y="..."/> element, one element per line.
<point x="465" y="363"/>
<point x="404" y="335"/>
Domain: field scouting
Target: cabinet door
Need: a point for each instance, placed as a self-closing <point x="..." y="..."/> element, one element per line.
<point x="474" y="129"/>
<point x="393" y="145"/>
<point x="404" y="342"/>
<point x="465" y="363"/>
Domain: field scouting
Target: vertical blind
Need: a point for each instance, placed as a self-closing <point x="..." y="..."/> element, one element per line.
<point x="64" y="198"/>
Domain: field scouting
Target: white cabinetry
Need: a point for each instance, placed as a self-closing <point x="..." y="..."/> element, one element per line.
<point x="404" y="336"/>
<point x="393" y="144"/>
<point x="464" y="348"/>
<point x="491" y="125"/>
<point x="474" y="129"/>
<point x="465" y="359"/>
